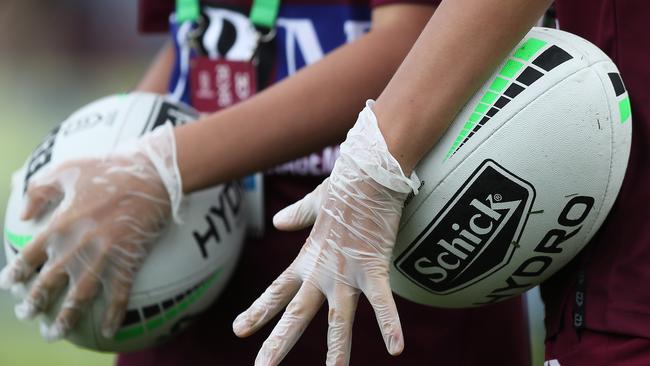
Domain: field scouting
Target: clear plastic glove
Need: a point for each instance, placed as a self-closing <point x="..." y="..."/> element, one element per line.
<point x="107" y="213"/>
<point x="357" y="212"/>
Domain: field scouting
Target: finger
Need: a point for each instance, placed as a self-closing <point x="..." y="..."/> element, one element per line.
<point x="25" y="264"/>
<point x="293" y="323"/>
<point x="19" y="291"/>
<point x="38" y="198"/>
<point x="381" y="299"/>
<point x="51" y="278"/>
<point x="43" y="291"/>
<point x="80" y="295"/>
<point x="274" y="299"/>
<point x="340" y="318"/>
<point x="118" y="299"/>
<point x="300" y="214"/>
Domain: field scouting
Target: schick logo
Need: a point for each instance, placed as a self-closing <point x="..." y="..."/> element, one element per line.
<point x="465" y="247"/>
<point x="475" y="234"/>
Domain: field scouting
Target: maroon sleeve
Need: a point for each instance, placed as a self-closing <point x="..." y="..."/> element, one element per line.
<point x="153" y="15"/>
<point x="375" y="3"/>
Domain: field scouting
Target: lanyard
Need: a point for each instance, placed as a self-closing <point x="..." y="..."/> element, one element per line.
<point x="187" y="10"/>
<point x="263" y="12"/>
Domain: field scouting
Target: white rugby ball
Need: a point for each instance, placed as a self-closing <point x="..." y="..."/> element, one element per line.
<point x="189" y="265"/>
<point x="522" y="178"/>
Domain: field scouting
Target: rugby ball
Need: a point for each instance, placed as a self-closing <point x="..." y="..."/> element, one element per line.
<point x="521" y="179"/>
<point x="189" y="265"/>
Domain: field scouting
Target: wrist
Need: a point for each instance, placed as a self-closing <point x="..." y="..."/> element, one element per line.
<point x="366" y="149"/>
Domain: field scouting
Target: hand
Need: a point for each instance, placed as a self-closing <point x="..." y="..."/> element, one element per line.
<point x="107" y="213"/>
<point x="357" y="212"/>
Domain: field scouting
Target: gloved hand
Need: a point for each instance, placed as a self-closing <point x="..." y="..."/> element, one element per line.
<point x="107" y="213"/>
<point x="357" y="212"/>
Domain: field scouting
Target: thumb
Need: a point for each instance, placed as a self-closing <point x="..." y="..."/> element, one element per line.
<point x="300" y="214"/>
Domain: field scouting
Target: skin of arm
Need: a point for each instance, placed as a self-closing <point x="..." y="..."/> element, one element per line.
<point x="156" y="78"/>
<point x="305" y="112"/>
<point x="462" y="44"/>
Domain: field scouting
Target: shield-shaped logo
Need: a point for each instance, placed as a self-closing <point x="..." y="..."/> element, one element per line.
<point x="475" y="234"/>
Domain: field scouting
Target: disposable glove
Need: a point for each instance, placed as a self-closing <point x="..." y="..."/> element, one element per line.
<point x="357" y="212"/>
<point x="107" y="213"/>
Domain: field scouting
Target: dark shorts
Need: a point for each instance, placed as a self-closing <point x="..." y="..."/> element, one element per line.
<point x="491" y="335"/>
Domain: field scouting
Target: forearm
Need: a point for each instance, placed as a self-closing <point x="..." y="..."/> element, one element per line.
<point x="305" y="112"/>
<point x="460" y="46"/>
<point x="156" y="78"/>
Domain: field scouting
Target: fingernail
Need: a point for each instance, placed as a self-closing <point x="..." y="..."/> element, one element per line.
<point x="239" y="326"/>
<point x="109" y="331"/>
<point x="395" y="345"/>
<point x="280" y="217"/>
<point x="25" y="310"/>
<point x="110" y="325"/>
<point x="52" y="333"/>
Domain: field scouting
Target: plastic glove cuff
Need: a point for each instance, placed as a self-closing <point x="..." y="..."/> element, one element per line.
<point x="366" y="148"/>
<point x="160" y="148"/>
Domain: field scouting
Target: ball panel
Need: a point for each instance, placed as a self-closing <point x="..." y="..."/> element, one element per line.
<point x="550" y="135"/>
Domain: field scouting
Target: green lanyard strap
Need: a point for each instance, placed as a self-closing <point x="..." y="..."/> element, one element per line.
<point x="263" y="12"/>
<point x="187" y="10"/>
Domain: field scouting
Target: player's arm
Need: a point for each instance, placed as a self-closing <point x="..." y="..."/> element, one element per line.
<point x="156" y="78"/>
<point x="461" y="45"/>
<point x="123" y="201"/>
<point x="307" y="111"/>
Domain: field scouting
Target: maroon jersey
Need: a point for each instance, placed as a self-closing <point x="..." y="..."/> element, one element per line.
<point x="489" y="335"/>
<point x="615" y="267"/>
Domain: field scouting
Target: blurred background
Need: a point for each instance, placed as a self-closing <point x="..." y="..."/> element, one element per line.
<point x="56" y="56"/>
